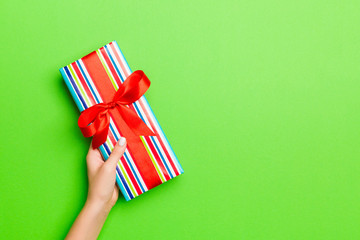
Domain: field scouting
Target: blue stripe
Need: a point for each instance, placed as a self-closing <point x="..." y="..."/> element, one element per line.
<point x="113" y="62"/>
<point x="118" y="181"/>
<point x="132" y="169"/>
<point x="75" y="87"/>
<point x="107" y="149"/>
<point x="161" y="156"/>
<point x="123" y="180"/>
<point x="87" y="81"/>
<point x="73" y="93"/>
<point x="138" y="111"/>
<point x="104" y="153"/>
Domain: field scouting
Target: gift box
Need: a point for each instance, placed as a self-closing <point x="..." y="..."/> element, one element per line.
<point x="94" y="82"/>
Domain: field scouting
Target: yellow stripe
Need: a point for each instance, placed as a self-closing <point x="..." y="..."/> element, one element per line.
<point x="152" y="159"/>
<point x="79" y="86"/>
<point x="108" y="142"/>
<point x="108" y="73"/>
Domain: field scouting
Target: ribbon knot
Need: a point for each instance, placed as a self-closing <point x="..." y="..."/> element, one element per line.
<point x="95" y="120"/>
<point x="112" y="105"/>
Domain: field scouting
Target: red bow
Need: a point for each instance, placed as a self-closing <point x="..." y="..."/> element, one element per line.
<point x="95" y="121"/>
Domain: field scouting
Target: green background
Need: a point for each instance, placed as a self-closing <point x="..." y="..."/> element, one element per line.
<point x="259" y="99"/>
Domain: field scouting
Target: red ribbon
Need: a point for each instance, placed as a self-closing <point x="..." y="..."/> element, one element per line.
<point x="95" y="121"/>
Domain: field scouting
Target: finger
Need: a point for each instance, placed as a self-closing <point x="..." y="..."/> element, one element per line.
<point x="93" y="161"/>
<point x="117" y="152"/>
<point x="93" y="153"/>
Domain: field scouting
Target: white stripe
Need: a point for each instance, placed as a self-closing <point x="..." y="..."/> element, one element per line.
<point x="142" y="114"/>
<point x="157" y="143"/>
<point x="109" y="48"/>
<point x="122" y="59"/>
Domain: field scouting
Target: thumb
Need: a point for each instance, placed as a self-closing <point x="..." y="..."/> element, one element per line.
<point x="116" y="153"/>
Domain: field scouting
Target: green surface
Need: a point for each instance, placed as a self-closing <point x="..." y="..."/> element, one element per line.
<point x="259" y="99"/>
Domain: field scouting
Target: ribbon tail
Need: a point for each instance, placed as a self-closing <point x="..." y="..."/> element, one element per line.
<point x="102" y="125"/>
<point x="135" y="123"/>
<point x="86" y="119"/>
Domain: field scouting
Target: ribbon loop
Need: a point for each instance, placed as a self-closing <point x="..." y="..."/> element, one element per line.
<point x="95" y="121"/>
<point x="132" y="88"/>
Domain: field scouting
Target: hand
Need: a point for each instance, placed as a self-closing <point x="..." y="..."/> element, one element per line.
<point x="102" y="176"/>
<point x="102" y="193"/>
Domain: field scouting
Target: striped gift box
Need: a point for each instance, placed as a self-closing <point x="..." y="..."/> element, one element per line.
<point x="132" y="177"/>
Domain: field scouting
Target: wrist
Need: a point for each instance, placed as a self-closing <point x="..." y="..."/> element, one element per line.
<point x="90" y="221"/>
<point x="97" y="206"/>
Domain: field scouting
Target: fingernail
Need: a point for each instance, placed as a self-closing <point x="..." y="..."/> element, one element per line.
<point x="122" y="141"/>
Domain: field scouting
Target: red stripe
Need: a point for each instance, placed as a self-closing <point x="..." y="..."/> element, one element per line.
<point x="157" y="158"/>
<point x="129" y="173"/>
<point x="83" y="83"/>
<point x="135" y="146"/>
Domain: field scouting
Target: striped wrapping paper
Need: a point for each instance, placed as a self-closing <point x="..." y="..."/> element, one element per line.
<point x="82" y="85"/>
